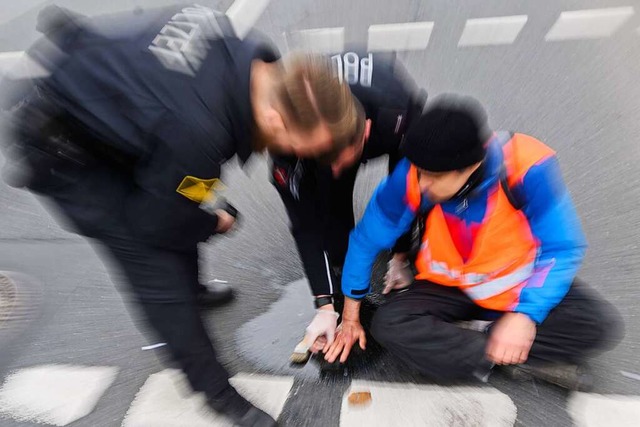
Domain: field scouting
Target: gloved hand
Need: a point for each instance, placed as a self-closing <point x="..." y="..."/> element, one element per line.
<point x="322" y="330"/>
<point x="399" y="274"/>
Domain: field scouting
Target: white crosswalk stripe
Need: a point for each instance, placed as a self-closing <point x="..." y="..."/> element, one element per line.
<point x="596" y="410"/>
<point x="62" y="394"/>
<point x="20" y="65"/>
<point x="321" y="40"/>
<point x="54" y="394"/>
<point x="408" y="36"/>
<point x="492" y="31"/>
<point x="589" y="24"/>
<point x="165" y="400"/>
<point x="413" y="405"/>
<point x="243" y="14"/>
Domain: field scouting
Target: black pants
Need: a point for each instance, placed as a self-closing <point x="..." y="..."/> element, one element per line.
<point x="90" y="187"/>
<point x="417" y="327"/>
<point x="162" y="282"/>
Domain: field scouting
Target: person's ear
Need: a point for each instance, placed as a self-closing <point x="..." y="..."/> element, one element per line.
<point x="271" y="121"/>
<point x="367" y="130"/>
<point x="336" y="169"/>
<point x="345" y="157"/>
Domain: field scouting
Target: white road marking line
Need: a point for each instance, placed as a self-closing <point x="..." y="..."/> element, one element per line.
<point x="595" y="410"/>
<point x="492" y="31"/>
<point x="20" y="65"/>
<point x="318" y="40"/>
<point x="165" y="400"/>
<point x="267" y="392"/>
<point x="54" y="394"/>
<point x="218" y="281"/>
<point x="154" y="346"/>
<point x="589" y="24"/>
<point x="11" y="56"/>
<point x="9" y="60"/>
<point x="408" y="405"/>
<point x="406" y="36"/>
<point x="243" y="15"/>
<point x="630" y="375"/>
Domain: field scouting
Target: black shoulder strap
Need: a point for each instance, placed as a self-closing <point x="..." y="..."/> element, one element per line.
<point x="504" y="137"/>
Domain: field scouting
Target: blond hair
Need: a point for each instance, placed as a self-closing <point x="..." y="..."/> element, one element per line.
<point x="311" y="94"/>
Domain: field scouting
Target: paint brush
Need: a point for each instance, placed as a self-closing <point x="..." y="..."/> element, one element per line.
<point x="301" y="353"/>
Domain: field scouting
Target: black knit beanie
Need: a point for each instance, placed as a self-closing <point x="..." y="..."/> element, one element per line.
<point x="449" y="135"/>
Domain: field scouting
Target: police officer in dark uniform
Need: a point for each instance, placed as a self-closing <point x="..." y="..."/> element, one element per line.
<point x="318" y="197"/>
<point x="126" y="135"/>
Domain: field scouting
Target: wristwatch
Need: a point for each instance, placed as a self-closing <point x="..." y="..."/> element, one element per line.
<point x="322" y="301"/>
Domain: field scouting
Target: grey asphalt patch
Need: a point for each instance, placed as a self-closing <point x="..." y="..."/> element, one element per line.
<point x="268" y="340"/>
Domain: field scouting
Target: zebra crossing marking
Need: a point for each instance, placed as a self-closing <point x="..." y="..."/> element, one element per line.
<point x="54" y="394"/>
<point x="597" y="410"/>
<point x="589" y="24"/>
<point x="409" y="405"/>
<point x="166" y="400"/>
<point x="492" y="31"/>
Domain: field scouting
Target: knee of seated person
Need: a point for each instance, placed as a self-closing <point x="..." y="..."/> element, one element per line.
<point x="604" y="328"/>
<point x="611" y="327"/>
<point x="385" y="324"/>
<point x="380" y="327"/>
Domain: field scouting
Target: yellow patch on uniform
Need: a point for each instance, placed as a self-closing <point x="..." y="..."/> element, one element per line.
<point x="200" y="190"/>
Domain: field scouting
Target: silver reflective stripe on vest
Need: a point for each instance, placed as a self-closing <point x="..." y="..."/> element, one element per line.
<point x="499" y="285"/>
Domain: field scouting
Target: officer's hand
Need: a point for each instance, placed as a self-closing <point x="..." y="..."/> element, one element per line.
<point x="347" y="334"/>
<point x="225" y="221"/>
<point x="511" y="339"/>
<point x="322" y="329"/>
<point x="399" y="275"/>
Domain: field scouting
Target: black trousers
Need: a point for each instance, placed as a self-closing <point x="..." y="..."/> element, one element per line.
<point x="163" y="283"/>
<point x="89" y="186"/>
<point x="417" y="326"/>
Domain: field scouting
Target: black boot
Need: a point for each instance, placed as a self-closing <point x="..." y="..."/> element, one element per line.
<point x="214" y="294"/>
<point x="571" y="377"/>
<point x="256" y="418"/>
<point x="243" y="414"/>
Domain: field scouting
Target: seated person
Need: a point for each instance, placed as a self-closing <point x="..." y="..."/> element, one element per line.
<point x="501" y="241"/>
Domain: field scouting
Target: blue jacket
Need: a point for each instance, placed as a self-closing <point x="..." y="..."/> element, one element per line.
<point x="546" y="204"/>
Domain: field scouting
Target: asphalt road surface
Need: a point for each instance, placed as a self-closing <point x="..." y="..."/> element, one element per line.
<point x="568" y="79"/>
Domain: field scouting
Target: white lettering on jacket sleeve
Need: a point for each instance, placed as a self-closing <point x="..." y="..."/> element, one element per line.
<point x="182" y="43"/>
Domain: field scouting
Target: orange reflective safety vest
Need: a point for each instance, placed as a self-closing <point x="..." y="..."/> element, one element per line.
<point x="504" y="250"/>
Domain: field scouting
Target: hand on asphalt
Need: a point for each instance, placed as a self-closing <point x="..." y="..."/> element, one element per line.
<point x="348" y="333"/>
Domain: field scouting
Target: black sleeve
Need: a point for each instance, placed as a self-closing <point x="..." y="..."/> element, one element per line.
<point x="416" y="104"/>
<point x="404" y="243"/>
<point x="301" y="201"/>
<point x="390" y="103"/>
